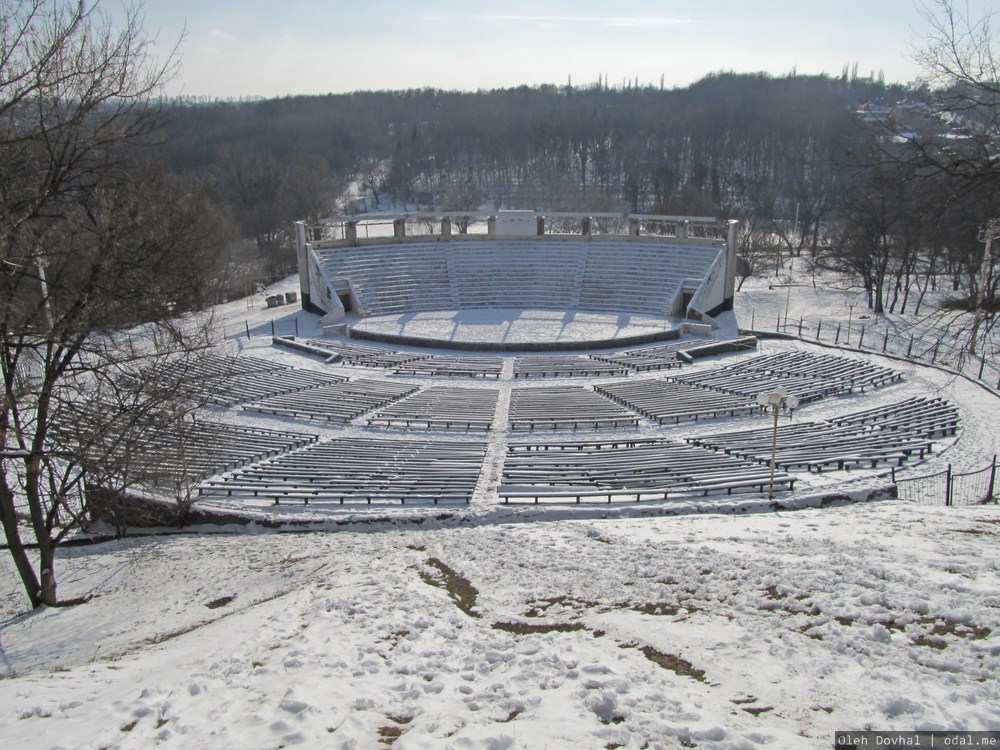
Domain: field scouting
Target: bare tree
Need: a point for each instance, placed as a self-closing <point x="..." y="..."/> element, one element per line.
<point x="755" y="249"/>
<point x="97" y="255"/>
<point x="372" y="176"/>
<point x="946" y="145"/>
<point x="254" y="179"/>
<point x="961" y="60"/>
<point x="961" y="63"/>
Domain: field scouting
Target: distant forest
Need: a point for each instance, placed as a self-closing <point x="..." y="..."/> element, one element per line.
<point x="799" y="160"/>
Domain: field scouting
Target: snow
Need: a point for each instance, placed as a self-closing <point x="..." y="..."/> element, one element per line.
<point x="682" y="625"/>
<point x="514" y="327"/>
<point x="802" y="623"/>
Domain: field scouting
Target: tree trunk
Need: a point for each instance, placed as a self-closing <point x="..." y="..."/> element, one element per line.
<point x="878" y="306"/>
<point x="907" y="283"/>
<point x="16" y="547"/>
<point x="46" y="564"/>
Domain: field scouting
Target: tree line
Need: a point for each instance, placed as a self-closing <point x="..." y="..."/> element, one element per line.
<point x="712" y="147"/>
<point x="803" y="162"/>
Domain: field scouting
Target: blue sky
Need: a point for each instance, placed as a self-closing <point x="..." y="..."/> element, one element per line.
<point x="268" y="48"/>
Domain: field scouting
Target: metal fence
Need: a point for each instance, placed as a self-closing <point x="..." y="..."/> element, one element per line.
<point x="288" y="326"/>
<point x="949" y="487"/>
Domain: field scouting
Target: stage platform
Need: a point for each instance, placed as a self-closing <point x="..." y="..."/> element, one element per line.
<point x="513" y="329"/>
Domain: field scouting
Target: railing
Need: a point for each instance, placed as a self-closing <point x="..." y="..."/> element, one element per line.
<point x="872" y="335"/>
<point x="951" y="488"/>
<point x="482" y="225"/>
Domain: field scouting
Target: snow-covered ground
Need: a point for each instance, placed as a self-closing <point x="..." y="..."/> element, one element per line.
<point x="514" y="327"/>
<point x="769" y="630"/>
<point x="495" y="629"/>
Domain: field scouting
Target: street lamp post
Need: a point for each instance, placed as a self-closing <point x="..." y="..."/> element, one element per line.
<point x="777" y="400"/>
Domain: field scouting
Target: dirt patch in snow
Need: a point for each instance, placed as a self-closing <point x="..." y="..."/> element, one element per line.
<point x="670" y="662"/>
<point x="459" y="589"/>
<point x="532" y="628"/>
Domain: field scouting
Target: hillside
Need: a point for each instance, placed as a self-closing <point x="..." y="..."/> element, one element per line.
<point x="770" y="630"/>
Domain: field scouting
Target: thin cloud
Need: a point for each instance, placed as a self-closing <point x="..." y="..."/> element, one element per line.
<point x="217" y="35"/>
<point x="618" y="22"/>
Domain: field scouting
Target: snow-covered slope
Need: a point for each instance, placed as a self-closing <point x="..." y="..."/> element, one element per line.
<point x="769" y="630"/>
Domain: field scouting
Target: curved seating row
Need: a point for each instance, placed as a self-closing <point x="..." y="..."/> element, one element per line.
<point x="540" y="366"/>
<point x="337" y="402"/>
<point x="361" y="470"/>
<point x="891" y="433"/>
<point x="565" y="407"/>
<point x="553" y="273"/>
<point x="441" y="407"/>
<point x="666" y="401"/>
<point x="626" y="470"/>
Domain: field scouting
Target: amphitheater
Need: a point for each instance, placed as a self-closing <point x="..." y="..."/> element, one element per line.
<point x="522" y="366"/>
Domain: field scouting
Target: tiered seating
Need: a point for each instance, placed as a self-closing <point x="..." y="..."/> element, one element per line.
<point x="926" y="417"/>
<point x="201" y="449"/>
<point x="361" y="470"/>
<point x="218" y="367"/>
<point x="855" y="374"/>
<point x="338" y="402"/>
<point x="442" y="407"/>
<point x="470" y="367"/>
<point x="178" y="452"/>
<point x="349" y="353"/>
<point x="207" y="376"/>
<point x="644" y="360"/>
<point x="394" y="278"/>
<point x="887" y="434"/>
<point x="808" y="376"/>
<point x="499" y="273"/>
<point x="554" y="273"/>
<point x="666" y="401"/>
<point x="242" y="388"/>
<point x="749" y="384"/>
<point x="564" y="407"/>
<point x="673" y="355"/>
<point x="638" y="275"/>
<point x="565" y="366"/>
<point x="626" y="470"/>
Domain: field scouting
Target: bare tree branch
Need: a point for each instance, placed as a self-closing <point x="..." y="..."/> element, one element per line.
<point x="99" y="251"/>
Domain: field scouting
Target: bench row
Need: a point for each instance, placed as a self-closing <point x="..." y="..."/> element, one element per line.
<point x="893" y="433"/>
<point x="565" y="407"/>
<point x="670" y="401"/>
<point x="361" y="470"/>
<point x="618" y="471"/>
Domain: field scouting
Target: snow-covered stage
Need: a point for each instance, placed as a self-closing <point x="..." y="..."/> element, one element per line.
<point x="516" y="328"/>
